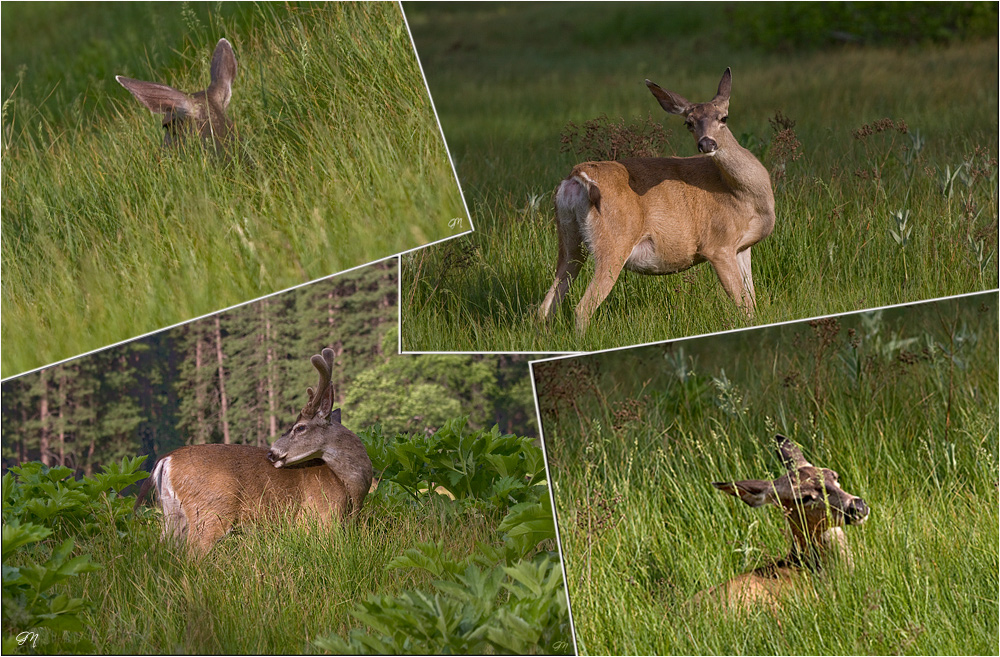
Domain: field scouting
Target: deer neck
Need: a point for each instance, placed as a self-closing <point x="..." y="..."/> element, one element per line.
<point x="743" y="172"/>
<point x="813" y="550"/>
<point x="353" y="467"/>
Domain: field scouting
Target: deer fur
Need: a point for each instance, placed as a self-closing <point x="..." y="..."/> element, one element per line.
<point x="816" y="508"/>
<point x="662" y="215"/>
<point x="202" y="113"/>
<point x="318" y="468"/>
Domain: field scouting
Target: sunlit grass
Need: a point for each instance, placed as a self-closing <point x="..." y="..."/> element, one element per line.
<point x="504" y="101"/>
<point x="340" y="162"/>
<point x="914" y="434"/>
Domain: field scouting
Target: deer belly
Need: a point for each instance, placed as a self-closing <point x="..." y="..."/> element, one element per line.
<point x="646" y="258"/>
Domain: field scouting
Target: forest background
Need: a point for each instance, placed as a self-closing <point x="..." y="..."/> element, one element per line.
<point x="241" y="377"/>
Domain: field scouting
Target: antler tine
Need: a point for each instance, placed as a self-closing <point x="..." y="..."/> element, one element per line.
<point x="315" y="396"/>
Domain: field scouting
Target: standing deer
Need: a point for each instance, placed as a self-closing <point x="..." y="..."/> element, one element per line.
<point x="816" y="508"/>
<point x="662" y="215"/>
<point x="202" y="113"/>
<point x="317" y="468"/>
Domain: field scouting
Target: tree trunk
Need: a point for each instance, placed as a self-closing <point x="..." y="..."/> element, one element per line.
<point x="223" y="401"/>
<point x="201" y="429"/>
<point x="62" y="417"/>
<point x="272" y="413"/>
<point x="43" y="417"/>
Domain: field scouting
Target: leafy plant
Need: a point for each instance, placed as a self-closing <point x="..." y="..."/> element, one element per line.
<point x="485" y="469"/>
<point x="505" y="596"/>
<point x="42" y="504"/>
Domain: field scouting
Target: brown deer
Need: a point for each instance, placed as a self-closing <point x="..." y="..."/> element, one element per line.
<point x="816" y="508"/>
<point x="202" y="113"/>
<point x="317" y="468"/>
<point x="662" y="215"/>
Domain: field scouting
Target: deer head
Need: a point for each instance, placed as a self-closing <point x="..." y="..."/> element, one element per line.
<point x="202" y="113"/>
<point x="811" y="498"/>
<point x="706" y="121"/>
<point x="309" y="437"/>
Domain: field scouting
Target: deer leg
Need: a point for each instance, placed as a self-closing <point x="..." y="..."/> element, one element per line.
<point x="746" y="275"/>
<point x="727" y="268"/>
<point x="572" y="253"/>
<point x="606" y="272"/>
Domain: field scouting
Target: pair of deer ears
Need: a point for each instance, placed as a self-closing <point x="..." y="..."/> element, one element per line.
<point x="757" y="492"/>
<point x="162" y="99"/>
<point x="674" y="103"/>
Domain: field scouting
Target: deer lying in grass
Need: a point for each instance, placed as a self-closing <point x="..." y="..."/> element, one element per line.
<point x="317" y="468"/>
<point x="662" y="215"/>
<point x="816" y="508"/>
<point x="202" y="113"/>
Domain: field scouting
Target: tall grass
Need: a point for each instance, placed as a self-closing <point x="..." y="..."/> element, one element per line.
<point x="504" y="99"/>
<point x="106" y="235"/>
<point x="269" y="589"/>
<point x="903" y="404"/>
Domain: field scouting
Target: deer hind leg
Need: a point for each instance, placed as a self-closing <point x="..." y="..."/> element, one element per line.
<point x="607" y="267"/>
<point x="205" y="532"/>
<point x="572" y="206"/>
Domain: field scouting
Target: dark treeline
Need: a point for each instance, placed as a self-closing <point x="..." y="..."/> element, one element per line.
<point x="241" y="377"/>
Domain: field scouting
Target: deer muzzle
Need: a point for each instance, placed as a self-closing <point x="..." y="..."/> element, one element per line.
<point x="275" y="458"/>
<point x="856" y="512"/>
<point x="707" y="145"/>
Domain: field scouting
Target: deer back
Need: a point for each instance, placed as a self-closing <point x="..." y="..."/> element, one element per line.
<point x="238" y="483"/>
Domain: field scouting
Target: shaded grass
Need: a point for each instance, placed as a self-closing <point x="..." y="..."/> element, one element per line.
<point x="106" y="236"/>
<point x="908" y="417"/>
<point x="505" y="97"/>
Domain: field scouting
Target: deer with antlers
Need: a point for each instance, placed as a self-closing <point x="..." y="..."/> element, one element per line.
<point x="816" y="508"/>
<point x="318" y="468"/>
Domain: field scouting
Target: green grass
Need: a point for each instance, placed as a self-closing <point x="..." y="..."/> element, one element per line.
<point x="107" y="236"/>
<point x="908" y="417"/>
<point x="266" y="589"/>
<point x="505" y="97"/>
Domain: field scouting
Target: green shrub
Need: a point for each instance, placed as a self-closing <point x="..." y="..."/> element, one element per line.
<point x="42" y="505"/>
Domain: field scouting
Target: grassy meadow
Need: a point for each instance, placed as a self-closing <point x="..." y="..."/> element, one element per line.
<point x="472" y="570"/>
<point x="267" y="590"/>
<point x="902" y="403"/>
<point x="106" y="235"/>
<point x="893" y="212"/>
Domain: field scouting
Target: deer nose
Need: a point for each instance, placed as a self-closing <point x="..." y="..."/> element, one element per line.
<point x="271" y="456"/>
<point x="707" y="145"/>
<point x="858" y="511"/>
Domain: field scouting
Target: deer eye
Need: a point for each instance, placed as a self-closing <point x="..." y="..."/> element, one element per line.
<point x="299" y="428"/>
<point x="807" y="498"/>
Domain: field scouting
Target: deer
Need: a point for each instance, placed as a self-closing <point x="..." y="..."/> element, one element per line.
<point x="317" y="469"/>
<point x="816" y="508"/>
<point x="663" y="215"/>
<point x="202" y="113"/>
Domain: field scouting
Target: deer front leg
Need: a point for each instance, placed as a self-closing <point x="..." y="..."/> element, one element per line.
<point x="727" y="267"/>
<point x="746" y="276"/>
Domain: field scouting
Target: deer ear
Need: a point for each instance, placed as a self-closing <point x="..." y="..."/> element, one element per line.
<point x="725" y="86"/>
<point x="327" y="403"/>
<point x="158" y="98"/>
<point x="790" y="454"/>
<point x="335" y="415"/>
<point x="223" y="72"/>
<point x="754" y="492"/>
<point x="670" y="102"/>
